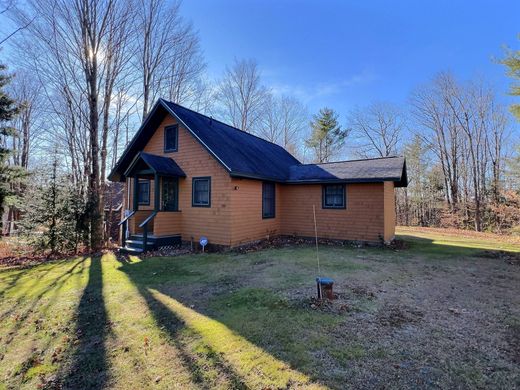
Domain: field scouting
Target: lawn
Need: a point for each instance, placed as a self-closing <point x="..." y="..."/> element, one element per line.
<point x="442" y="312"/>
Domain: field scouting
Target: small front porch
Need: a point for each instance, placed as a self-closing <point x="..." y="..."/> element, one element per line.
<point x="153" y="193"/>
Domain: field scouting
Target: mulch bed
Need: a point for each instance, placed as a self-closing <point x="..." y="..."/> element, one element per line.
<point x="289" y="241"/>
<point x="25" y="261"/>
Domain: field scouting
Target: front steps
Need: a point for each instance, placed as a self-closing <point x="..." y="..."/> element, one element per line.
<point x="134" y="243"/>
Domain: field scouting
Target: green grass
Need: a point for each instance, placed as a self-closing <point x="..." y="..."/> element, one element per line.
<point x="432" y="242"/>
<point x="210" y="321"/>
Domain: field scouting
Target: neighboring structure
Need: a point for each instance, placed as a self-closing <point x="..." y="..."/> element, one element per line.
<point x="113" y="199"/>
<point x="187" y="175"/>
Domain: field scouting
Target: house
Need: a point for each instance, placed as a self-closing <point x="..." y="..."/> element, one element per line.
<point x="187" y="175"/>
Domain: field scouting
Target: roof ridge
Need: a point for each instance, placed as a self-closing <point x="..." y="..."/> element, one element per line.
<point x="228" y="125"/>
<point x="359" y="159"/>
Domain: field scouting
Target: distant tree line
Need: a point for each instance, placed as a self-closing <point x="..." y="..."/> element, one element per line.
<point x="85" y="74"/>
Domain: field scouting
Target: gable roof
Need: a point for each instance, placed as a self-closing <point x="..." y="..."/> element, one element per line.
<point x="158" y="164"/>
<point x="246" y="155"/>
<point x="367" y="170"/>
<point x="240" y="153"/>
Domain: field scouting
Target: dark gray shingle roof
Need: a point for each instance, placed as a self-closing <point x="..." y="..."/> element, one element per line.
<point x="242" y="153"/>
<point x="368" y="170"/>
<point x="159" y="164"/>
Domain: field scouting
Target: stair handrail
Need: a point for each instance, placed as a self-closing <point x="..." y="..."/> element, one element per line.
<point x="126" y="218"/>
<point x="124" y="222"/>
<point x="144" y="225"/>
<point x="148" y="219"/>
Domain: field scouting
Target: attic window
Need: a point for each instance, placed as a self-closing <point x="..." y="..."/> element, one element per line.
<point x="333" y="196"/>
<point x="171" y="138"/>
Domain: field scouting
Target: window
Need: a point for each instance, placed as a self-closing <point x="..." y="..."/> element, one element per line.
<point x="170" y="194"/>
<point x="171" y="137"/>
<point x="201" y="192"/>
<point x="144" y="192"/>
<point x="268" y="200"/>
<point x="333" y="196"/>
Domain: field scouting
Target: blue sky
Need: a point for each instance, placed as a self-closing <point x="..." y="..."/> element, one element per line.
<point x="344" y="54"/>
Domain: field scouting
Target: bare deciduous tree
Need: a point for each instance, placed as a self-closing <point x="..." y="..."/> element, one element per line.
<point x="431" y="112"/>
<point x="79" y="54"/>
<point x="242" y="96"/>
<point x="168" y="54"/>
<point x="26" y="90"/>
<point x="377" y="130"/>
<point x="283" y="122"/>
<point x="466" y="129"/>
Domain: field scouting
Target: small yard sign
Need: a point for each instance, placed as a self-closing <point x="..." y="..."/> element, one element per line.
<point x="203" y="242"/>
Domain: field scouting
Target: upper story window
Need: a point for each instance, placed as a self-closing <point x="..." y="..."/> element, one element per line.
<point x="334" y="196"/>
<point x="268" y="200"/>
<point x="201" y="192"/>
<point x="171" y="138"/>
<point x="143" y="194"/>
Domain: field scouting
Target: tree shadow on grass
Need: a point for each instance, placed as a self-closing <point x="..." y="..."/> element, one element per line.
<point x="51" y="290"/>
<point x="12" y="284"/>
<point x="89" y="362"/>
<point x="238" y="357"/>
<point x="173" y="325"/>
<point x="196" y="364"/>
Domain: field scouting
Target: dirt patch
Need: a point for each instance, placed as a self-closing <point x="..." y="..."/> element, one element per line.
<point x="508" y="257"/>
<point x="363" y="291"/>
<point x="513" y="338"/>
<point x="334" y="306"/>
<point x="398" y="315"/>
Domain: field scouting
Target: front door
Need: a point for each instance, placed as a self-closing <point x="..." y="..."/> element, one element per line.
<point x="170" y="194"/>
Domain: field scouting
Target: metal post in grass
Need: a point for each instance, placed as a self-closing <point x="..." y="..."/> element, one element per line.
<point x="320" y="282"/>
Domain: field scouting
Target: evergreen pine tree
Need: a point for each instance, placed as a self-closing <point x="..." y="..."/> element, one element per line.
<point x="54" y="214"/>
<point x="8" y="110"/>
<point x="327" y="136"/>
<point x="512" y="63"/>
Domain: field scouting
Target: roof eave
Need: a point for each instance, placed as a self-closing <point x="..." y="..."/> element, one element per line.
<point x="115" y="174"/>
<point x="340" y="180"/>
<point x="241" y="175"/>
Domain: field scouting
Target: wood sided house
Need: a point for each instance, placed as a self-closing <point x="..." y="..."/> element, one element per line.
<point x="187" y="175"/>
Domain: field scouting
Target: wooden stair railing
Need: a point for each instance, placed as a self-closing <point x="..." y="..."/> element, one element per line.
<point x="144" y="226"/>
<point x="124" y="222"/>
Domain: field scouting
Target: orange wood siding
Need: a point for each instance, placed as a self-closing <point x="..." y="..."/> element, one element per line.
<point x="363" y="218"/>
<point x="246" y="214"/>
<point x="213" y="222"/>
<point x="167" y="223"/>
<point x="137" y="219"/>
<point x="389" y="202"/>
